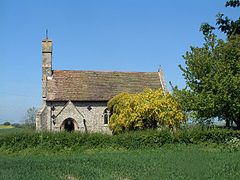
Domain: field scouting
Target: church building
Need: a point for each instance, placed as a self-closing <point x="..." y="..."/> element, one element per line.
<point x="76" y="100"/>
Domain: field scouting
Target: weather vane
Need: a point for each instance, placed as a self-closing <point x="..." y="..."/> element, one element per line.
<point x="46" y="34"/>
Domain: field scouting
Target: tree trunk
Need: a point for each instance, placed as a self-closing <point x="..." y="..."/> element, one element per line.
<point x="227" y="123"/>
<point x="237" y="123"/>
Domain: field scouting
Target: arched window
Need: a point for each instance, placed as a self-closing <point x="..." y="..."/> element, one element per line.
<point x="106" y="115"/>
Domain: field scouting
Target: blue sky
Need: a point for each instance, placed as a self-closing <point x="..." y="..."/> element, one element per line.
<point x="115" y="35"/>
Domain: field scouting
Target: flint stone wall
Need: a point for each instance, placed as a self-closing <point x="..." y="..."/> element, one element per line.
<point x="91" y="112"/>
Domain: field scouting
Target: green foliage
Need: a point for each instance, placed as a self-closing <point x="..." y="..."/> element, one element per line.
<point x="167" y="162"/>
<point x="14" y="131"/>
<point x="6" y="123"/>
<point x="232" y="3"/>
<point x="63" y="141"/>
<point x="147" y="110"/>
<point x="32" y="155"/>
<point x="233" y="144"/>
<point x="224" y="24"/>
<point x="212" y="76"/>
<point x="17" y="125"/>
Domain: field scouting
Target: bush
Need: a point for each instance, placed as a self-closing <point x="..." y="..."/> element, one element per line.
<point x="17" y="125"/>
<point x="233" y="144"/>
<point x="7" y="124"/>
<point x="147" y="110"/>
<point x="62" y="141"/>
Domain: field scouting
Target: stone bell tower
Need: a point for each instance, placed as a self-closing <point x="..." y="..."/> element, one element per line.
<point x="46" y="64"/>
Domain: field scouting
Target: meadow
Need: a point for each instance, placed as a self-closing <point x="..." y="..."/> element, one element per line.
<point x="151" y="157"/>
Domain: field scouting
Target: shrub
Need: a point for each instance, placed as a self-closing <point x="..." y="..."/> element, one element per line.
<point x="7" y="124"/>
<point x="17" y="125"/>
<point x="147" y="110"/>
<point x="233" y="144"/>
<point x="62" y="141"/>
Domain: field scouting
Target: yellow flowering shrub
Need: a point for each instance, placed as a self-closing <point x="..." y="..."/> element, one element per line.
<point x="149" y="109"/>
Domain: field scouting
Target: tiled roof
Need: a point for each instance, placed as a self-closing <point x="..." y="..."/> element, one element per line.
<point x="97" y="85"/>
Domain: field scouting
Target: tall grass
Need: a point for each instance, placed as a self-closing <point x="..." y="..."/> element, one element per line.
<point x="132" y="140"/>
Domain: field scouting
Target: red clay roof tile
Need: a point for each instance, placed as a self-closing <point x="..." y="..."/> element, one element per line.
<point x="97" y="85"/>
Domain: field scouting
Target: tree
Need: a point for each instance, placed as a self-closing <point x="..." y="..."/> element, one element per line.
<point x="30" y="117"/>
<point x="147" y="110"/>
<point x="224" y="24"/>
<point x="6" y="123"/>
<point x="212" y="76"/>
<point x="212" y="73"/>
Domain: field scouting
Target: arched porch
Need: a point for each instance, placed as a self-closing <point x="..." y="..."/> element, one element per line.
<point x="69" y="125"/>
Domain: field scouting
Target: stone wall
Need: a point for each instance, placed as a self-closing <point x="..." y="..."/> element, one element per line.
<point x="46" y="64"/>
<point x="90" y="112"/>
<point x="42" y="118"/>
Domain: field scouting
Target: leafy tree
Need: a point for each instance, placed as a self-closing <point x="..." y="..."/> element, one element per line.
<point x="149" y="109"/>
<point x="17" y="125"/>
<point x="6" y="123"/>
<point x="212" y="76"/>
<point x="223" y="23"/>
<point x="30" y="117"/>
<point x="233" y="3"/>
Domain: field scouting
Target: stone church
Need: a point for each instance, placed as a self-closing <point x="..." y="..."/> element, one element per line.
<point x="76" y="100"/>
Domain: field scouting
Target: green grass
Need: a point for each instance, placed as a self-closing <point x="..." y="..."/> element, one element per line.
<point x="6" y="126"/>
<point x="11" y="130"/>
<point x="167" y="162"/>
<point x="54" y="142"/>
<point x="25" y="154"/>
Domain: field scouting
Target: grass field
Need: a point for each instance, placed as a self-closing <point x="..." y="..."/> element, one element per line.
<point x="6" y="126"/>
<point x="7" y="130"/>
<point x="171" y="161"/>
<point x="167" y="162"/>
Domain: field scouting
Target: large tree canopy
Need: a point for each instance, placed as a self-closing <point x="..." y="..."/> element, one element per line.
<point x="212" y="73"/>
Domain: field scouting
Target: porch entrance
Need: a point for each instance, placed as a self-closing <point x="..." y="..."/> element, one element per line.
<point x="68" y="125"/>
